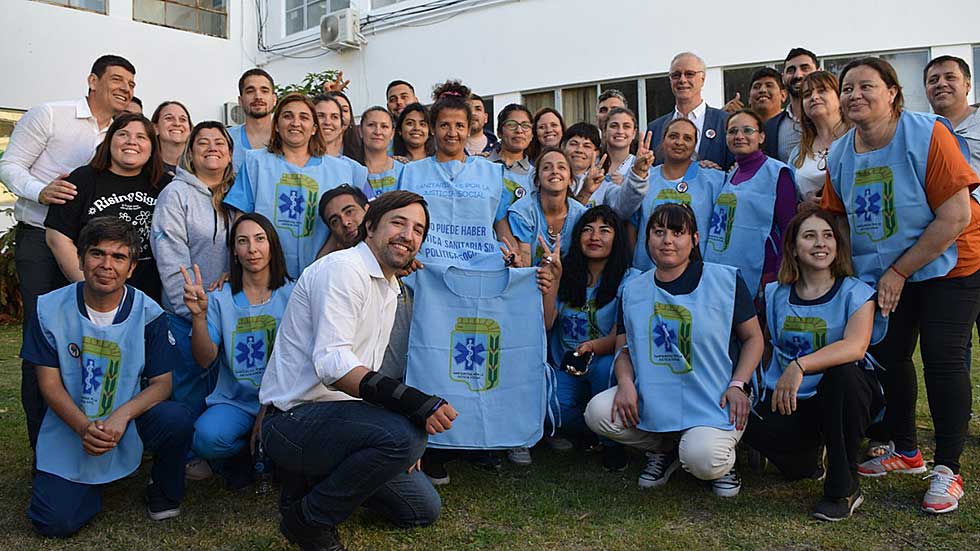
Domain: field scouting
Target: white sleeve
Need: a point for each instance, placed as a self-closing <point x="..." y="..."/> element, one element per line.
<point x="27" y="142"/>
<point x="626" y="199"/>
<point x="337" y="309"/>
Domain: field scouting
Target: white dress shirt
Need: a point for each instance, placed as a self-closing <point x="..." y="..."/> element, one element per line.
<point x="697" y="117"/>
<point x="339" y="317"/>
<point x="49" y="140"/>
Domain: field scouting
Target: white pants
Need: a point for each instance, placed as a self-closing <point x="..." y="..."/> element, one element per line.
<point x="707" y="453"/>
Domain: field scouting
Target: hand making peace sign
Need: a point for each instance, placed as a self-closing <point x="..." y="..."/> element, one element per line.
<point x="549" y="271"/>
<point x="644" y="157"/>
<point x="194" y="296"/>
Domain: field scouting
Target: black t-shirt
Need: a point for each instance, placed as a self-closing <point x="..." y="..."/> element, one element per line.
<point x="688" y="281"/>
<point x="129" y="198"/>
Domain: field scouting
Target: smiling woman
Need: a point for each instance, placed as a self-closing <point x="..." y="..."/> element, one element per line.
<point x="123" y="180"/>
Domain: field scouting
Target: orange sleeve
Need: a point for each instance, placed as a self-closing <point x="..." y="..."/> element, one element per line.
<point x="829" y="200"/>
<point x="947" y="171"/>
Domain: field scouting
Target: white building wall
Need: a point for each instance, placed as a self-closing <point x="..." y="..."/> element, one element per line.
<point x="501" y="47"/>
<point x="48" y="51"/>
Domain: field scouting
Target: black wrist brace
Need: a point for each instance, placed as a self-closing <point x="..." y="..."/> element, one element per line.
<point x="400" y="398"/>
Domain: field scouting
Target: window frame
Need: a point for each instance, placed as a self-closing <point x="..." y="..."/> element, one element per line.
<point x="198" y="9"/>
<point x="312" y="29"/>
<point x="64" y="4"/>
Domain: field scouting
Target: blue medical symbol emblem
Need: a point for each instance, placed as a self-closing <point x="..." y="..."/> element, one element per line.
<point x="801" y="336"/>
<point x="670" y="337"/>
<point x="251" y="344"/>
<point x="100" y="361"/>
<point x="873" y="204"/>
<point x="297" y="201"/>
<point x="91" y="377"/>
<point x="474" y="355"/>
<point x="722" y="221"/>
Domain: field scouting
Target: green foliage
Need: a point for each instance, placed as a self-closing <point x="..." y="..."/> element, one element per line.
<point x="11" y="305"/>
<point x="312" y="84"/>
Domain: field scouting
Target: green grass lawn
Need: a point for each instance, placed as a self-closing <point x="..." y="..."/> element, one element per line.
<point x="564" y="502"/>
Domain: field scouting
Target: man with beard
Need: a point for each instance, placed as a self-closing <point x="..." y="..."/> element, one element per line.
<point x="480" y="141"/>
<point x="342" y="210"/>
<point x="342" y="434"/>
<point x="783" y="130"/>
<point x="257" y="97"/>
<point x="398" y="95"/>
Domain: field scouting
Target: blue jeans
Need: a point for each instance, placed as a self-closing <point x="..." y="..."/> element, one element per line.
<point x="192" y="385"/>
<point x="222" y="431"/>
<point x="574" y="394"/>
<point x="336" y="456"/>
<point x="60" y="507"/>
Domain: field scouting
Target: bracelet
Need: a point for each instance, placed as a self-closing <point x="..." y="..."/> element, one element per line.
<point x="900" y="274"/>
<point x="743" y="386"/>
<point x="799" y="365"/>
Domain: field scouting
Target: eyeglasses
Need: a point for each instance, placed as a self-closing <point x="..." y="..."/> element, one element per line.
<point x="747" y="130"/>
<point x="513" y="125"/>
<point x="689" y="75"/>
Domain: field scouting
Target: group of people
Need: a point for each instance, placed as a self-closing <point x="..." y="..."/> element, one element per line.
<point x="273" y="291"/>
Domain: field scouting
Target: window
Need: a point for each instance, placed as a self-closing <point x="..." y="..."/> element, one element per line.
<point x="660" y="99"/>
<point x="377" y="4"/>
<point x="306" y="14"/>
<point x="90" y="5"/>
<point x="740" y="80"/>
<point x="539" y="100"/>
<point x="628" y="88"/>
<point x="909" y="67"/>
<point x="578" y="104"/>
<point x="208" y="17"/>
<point x="976" y="76"/>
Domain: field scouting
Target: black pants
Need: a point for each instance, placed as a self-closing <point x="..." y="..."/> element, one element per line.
<point x="939" y="313"/>
<point x="848" y="397"/>
<point x="39" y="274"/>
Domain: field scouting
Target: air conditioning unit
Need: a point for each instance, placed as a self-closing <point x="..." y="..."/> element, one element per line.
<point x="232" y="114"/>
<point x="341" y="30"/>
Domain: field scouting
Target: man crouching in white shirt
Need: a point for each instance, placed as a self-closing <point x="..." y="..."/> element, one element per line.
<point x="342" y="434"/>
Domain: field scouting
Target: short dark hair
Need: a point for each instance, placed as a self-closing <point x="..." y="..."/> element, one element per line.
<point x="964" y="66"/>
<point x="747" y="111"/>
<point x="675" y="217"/>
<point x="277" y="260"/>
<point x="110" y="60"/>
<point x="585" y="130"/>
<point x="802" y="51"/>
<point x="256" y="72"/>
<point x="611" y="93"/>
<point x="394" y="83"/>
<point x="768" y="72"/>
<point x="393" y="200"/>
<point x="343" y="189"/>
<point x="109" y="228"/>
<point x="137" y="101"/>
<point x="102" y="160"/>
<point x="479" y="98"/>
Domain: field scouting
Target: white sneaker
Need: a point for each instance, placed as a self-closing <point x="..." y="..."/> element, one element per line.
<point x="197" y="469"/>
<point x="945" y="491"/>
<point x="519" y="456"/>
<point x="728" y="485"/>
<point x="658" y="469"/>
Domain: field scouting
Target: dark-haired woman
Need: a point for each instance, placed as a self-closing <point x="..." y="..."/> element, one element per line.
<point x="904" y="185"/>
<point x="235" y="326"/>
<point x="548" y="129"/>
<point x="334" y="125"/>
<point x="818" y="390"/>
<point x="747" y="225"/>
<point x="623" y="185"/>
<point x="377" y="130"/>
<point x="514" y="128"/>
<point x="123" y="180"/>
<point x="413" y="137"/>
<point x="690" y="341"/>
<point x="466" y="195"/>
<point x="351" y="140"/>
<point x="677" y="180"/>
<point x="549" y="211"/>
<point x="583" y="319"/>
<point x="172" y="121"/>
<point x="285" y="181"/>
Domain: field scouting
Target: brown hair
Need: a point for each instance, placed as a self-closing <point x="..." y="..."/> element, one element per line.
<point x="393" y="200"/>
<point x="278" y="276"/>
<point x="887" y="74"/>
<point x="316" y="147"/>
<point x="808" y="132"/>
<point x="227" y="178"/>
<point x="152" y="170"/>
<point x="789" y="270"/>
<point x="540" y="157"/>
<point x="534" y="149"/>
